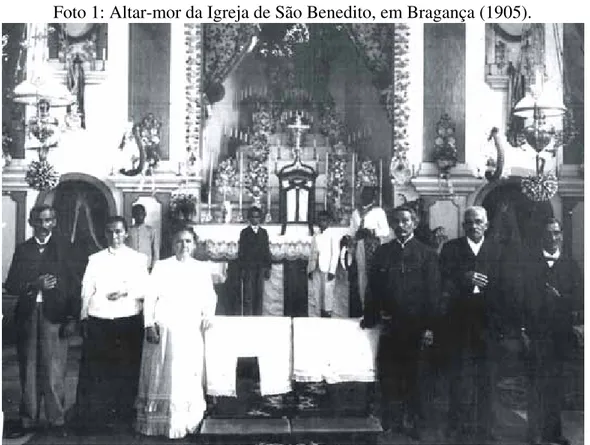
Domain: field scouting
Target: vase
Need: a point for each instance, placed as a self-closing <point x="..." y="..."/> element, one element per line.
<point x="227" y="211"/>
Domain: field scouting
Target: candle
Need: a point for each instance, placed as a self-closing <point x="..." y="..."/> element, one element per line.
<point x="353" y="184"/>
<point x="380" y="182"/>
<point x="327" y="180"/>
<point x="241" y="183"/>
<point x="268" y="185"/>
<point x="210" y="180"/>
<point x="104" y="54"/>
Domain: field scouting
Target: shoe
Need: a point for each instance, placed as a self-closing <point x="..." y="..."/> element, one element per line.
<point x="59" y="431"/>
<point x="558" y="441"/>
<point x="13" y="429"/>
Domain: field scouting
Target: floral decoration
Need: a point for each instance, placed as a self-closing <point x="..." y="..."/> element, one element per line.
<point x="257" y="175"/>
<point x="256" y="179"/>
<point x="183" y="205"/>
<point x="149" y="133"/>
<point x="41" y="175"/>
<point x="396" y="101"/>
<point x="330" y="124"/>
<point x="539" y="188"/>
<point x="366" y="175"/>
<point x="6" y="146"/>
<point x="194" y="106"/>
<point x="226" y="177"/>
<point x="4" y="44"/>
<point x="337" y="180"/>
<point x="445" y="146"/>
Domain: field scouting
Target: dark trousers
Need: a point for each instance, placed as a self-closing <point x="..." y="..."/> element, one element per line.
<point x="471" y="390"/>
<point x="398" y="361"/>
<point x="252" y="290"/>
<point x="42" y="356"/>
<point x="109" y="369"/>
<point x="545" y="390"/>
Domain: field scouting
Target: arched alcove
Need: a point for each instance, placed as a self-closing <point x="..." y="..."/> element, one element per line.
<point x="82" y="203"/>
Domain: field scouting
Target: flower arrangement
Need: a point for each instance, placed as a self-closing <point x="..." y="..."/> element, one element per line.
<point x="256" y="181"/>
<point x="539" y="188"/>
<point x="183" y="205"/>
<point x="6" y="146"/>
<point x="226" y="177"/>
<point x="445" y="146"/>
<point x="337" y="180"/>
<point x="330" y="124"/>
<point x="41" y="175"/>
<point x="366" y="175"/>
<point x="193" y="96"/>
<point x="149" y="133"/>
<point x="396" y="96"/>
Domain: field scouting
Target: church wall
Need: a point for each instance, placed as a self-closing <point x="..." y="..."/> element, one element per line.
<point x="573" y="66"/>
<point x="444" y="82"/>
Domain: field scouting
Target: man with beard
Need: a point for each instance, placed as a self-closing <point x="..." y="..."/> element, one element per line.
<point x="404" y="297"/>
<point x="470" y="279"/>
<point x="42" y="275"/>
<point x="553" y="291"/>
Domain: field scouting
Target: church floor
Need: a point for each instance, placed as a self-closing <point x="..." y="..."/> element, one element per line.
<point x="510" y="431"/>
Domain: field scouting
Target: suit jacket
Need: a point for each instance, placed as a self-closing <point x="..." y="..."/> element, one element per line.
<point x="254" y="249"/>
<point x="59" y="259"/>
<point x="325" y="252"/>
<point x="481" y="314"/>
<point x="544" y="314"/>
<point x="404" y="283"/>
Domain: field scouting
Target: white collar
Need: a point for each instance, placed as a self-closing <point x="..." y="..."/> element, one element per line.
<point x="255" y="228"/>
<point x="554" y="256"/>
<point x="403" y="244"/>
<point x="475" y="247"/>
<point x="44" y="243"/>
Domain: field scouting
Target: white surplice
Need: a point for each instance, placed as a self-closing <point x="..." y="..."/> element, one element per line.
<point x="171" y="399"/>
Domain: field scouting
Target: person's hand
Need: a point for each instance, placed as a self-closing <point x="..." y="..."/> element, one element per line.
<point x="67" y="329"/>
<point x="552" y="291"/>
<point x="266" y="274"/>
<point x="84" y="328"/>
<point x="310" y="275"/>
<point x="113" y="296"/>
<point x="476" y="279"/>
<point x="45" y="282"/>
<point x="427" y="338"/>
<point x="331" y="276"/>
<point x="152" y="335"/>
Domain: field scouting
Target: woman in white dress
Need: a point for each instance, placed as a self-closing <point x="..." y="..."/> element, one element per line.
<point x="178" y="309"/>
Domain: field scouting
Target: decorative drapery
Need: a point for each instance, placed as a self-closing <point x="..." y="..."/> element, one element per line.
<point x="224" y="47"/>
<point x="385" y="48"/>
<point x="193" y="64"/>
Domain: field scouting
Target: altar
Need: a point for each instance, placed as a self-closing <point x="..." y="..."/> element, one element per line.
<point x="218" y="243"/>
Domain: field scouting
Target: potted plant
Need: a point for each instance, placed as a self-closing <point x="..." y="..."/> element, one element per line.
<point x="445" y="146"/>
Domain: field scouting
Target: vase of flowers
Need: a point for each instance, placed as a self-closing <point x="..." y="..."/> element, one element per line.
<point x="149" y="133"/>
<point x="183" y="206"/>
<point x="445" y="146"/>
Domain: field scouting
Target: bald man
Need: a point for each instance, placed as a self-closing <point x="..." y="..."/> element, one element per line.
<point x="471" y="281"/>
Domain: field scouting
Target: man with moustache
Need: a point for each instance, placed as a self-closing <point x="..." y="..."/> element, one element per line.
<point x="404" y="295"/>
<point x="42" y="275"/>
<point x="471" y="281"/>
<point x="553" y="288"/>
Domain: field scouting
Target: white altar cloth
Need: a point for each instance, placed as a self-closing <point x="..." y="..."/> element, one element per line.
<point x="267" y="338"/>
<point x="333" y="350"/>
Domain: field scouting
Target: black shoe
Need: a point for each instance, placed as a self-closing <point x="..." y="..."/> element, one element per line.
<point x="59" y="431"/>
<point x="559" y="441"/>
<point x="13" y="429"/>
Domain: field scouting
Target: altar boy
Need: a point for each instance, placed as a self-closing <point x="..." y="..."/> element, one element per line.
<point x="321" y="269"/>
<point x="254" y="262"/>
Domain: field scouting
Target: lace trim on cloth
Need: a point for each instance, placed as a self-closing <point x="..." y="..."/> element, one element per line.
<point x="160" y="417"/>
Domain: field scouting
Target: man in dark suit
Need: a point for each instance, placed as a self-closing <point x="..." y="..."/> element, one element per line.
<point x="404" y="297"/>
<point x="553" y="292"/>
<point x="43" y="277"/>
<point x="471" y="282"/>
<point x="254" y="262"/>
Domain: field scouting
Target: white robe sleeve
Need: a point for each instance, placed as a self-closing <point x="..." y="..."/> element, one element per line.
<point x="152" y="294"/>
<point x="88" y="287"/>
<point x="207" y="291"/>
<point x="334" y="252"/>
<point x="382" y="229"/>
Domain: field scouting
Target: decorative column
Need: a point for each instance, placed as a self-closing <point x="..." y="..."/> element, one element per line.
<point x="193" y="85"/>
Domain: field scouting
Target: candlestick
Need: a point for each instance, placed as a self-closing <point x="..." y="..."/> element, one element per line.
<point x="210" y="180"/>
<point x="353" y="182"/>
<point x="268" y="196"/>
<point x="241" y="185"/>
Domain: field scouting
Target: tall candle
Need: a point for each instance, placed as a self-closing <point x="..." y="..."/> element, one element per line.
<point x="241" y="183"/>
<point x="327" y="180"/>
<point x="353" y="184"/>
<point x="380" y="182"/>
<point x="268" y="197"/>
<point x="210" y="180"/>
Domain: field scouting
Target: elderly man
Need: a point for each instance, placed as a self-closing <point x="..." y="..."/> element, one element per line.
<point x="404" y="296"/>
<point x="553" y="291"/>
<point x="42" y="275"/>
<point x="471" y="281"/>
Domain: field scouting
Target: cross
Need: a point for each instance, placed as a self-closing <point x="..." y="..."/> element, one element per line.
<point x="298" y="127"/>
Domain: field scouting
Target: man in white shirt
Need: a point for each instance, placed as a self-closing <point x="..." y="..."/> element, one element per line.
<point x="321" y="268"/>
<point x="112" y="328"/>
<point x="142" y="237"/>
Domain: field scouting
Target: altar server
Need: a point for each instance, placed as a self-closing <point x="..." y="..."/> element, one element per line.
<point x="321" y="268"/>
<point x="142" y="237"/>
<point x="254" y="262"/>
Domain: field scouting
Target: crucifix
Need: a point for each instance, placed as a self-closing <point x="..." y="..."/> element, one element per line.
<point x="298" y="128"/>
